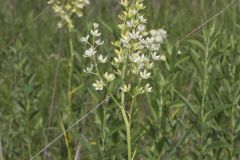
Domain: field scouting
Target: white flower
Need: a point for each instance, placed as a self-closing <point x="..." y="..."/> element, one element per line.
<point x="162" y="33"/>
<point x="88" y="69"/>
<point x="118" y="72"/>
<point x="145" y="74"/>
<point x="135" y="70"/>
<point x="155" y="46"/>
<point x="142" y="19"/>
<point x="98" y="85"/>
<point x="99" y="42"/>
<point x="109" y="77"/>
<point x="134" y="57"/>
<point x="140" y="90"/>
<point x="150" y="65"/>
<point x="95" y="33"/>
<point x="155" y="56"/>
<point x="141" y="27"/>
<point x="118" y="59"/>
<point x="85" y="39"/>
<point x="50" y="1"/>
<point x="125" y="40"/>
<point x="95" y="25"/>
<point x="59" y="25"/>
<point x="134" y="34"/>
<point x="163" y="57"/>
<point x="179" y="52"/>
<point x="133" y="11"/>
<point x="101" y="59"/>
<point x="126" y="88"/>
<point x="130" y="23"/>
<point x="158" y="35"/>
<point x="148" y="88"/>
<point x="143" y="58"/>
<point x="89" y="52"/>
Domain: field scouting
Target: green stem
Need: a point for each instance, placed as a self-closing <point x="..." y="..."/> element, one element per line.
<point x="232" y="133"/>
<point x="70" y="69"/>
<point x="124" y="112"/>
<point x="126" y="121"/>
<point x="204" y="92"/>
<point x="70" y="63"/>
<point x="127" y="125"/>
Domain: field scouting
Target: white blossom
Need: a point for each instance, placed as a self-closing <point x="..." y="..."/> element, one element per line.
<point x="130" y="23"/>
<point x="118" y="59"/>
<point x="88" y="69"/>
<point x="85" y="39"/>
<point x="134" y="34"/>
<point x="140" y="90"/>
<point x="98" y="85"/>
<point x="155" y="56"/>
<point x="163" y="57"/>
<point x="148" y="88"/>
<point x="145" y="75"/>
<point x="158" y="35"/>
<point x="109" y="76"/>
<point x="141" y="27"/>
<point x="179" y="52"/>
<point x="142" y="19"/>
<point x="126" y="88"/>
<point x="125" y="41"/>
<point x="99" y="42"/>
<point x="133" y="11"/>
<point x="95" y="33"/>
<point x="95" y="25"/>
<point x="135" y="57"/>
<point x="65" y="10"/>
<point x="150" y="65"/>
<point x="89" y="52"/>
<point x="102" y="59"/>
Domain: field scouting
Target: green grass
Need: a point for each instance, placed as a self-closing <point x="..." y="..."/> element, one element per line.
<point x="193" y="112"/>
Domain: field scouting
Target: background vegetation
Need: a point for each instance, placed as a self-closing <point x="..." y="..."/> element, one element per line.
<point x="193" y="113"/>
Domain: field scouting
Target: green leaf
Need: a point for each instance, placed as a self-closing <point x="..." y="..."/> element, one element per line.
<point x="116" y="127"/>
<point x="197" y="43"/>
<point x="216" y="145"/>
<point x="211" y="114"/>
<point x="189" y="105"/>
<point x="196" y="61"/>
<point x="106" y="25"/>
<point x="116" y="151"/>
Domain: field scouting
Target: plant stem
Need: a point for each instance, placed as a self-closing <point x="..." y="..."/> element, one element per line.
<point x="69" y="94"/>
<point x="127" y="124"/>
<point x="204" y="93"/>
<point x="66" y="139"/>
<point x="70" y="70"/>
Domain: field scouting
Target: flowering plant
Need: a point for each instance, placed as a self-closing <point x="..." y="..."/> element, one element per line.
<point x="136" y="51"/>
<point x="65" y="10"/>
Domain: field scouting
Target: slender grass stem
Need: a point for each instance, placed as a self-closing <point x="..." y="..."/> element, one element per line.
<point x="69" y="92"/>
<point x="127" y="125"/>
<point x="232" y="134"/>
<point x="204" y="93"/>
<point x="66" y="139"/>
<point x="70" y="69"/>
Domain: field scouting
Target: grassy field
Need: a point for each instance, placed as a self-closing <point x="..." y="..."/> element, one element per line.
<point x="193" y="111"/>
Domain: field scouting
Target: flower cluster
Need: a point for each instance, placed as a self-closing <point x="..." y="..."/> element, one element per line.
<point x="93" y="42"/>
<point x="66" y="10"/>
<point x="136" y="51"/>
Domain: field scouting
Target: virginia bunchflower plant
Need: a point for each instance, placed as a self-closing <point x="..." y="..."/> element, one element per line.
<point x="65" y="10"/>
<point x="136" y="52"/>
